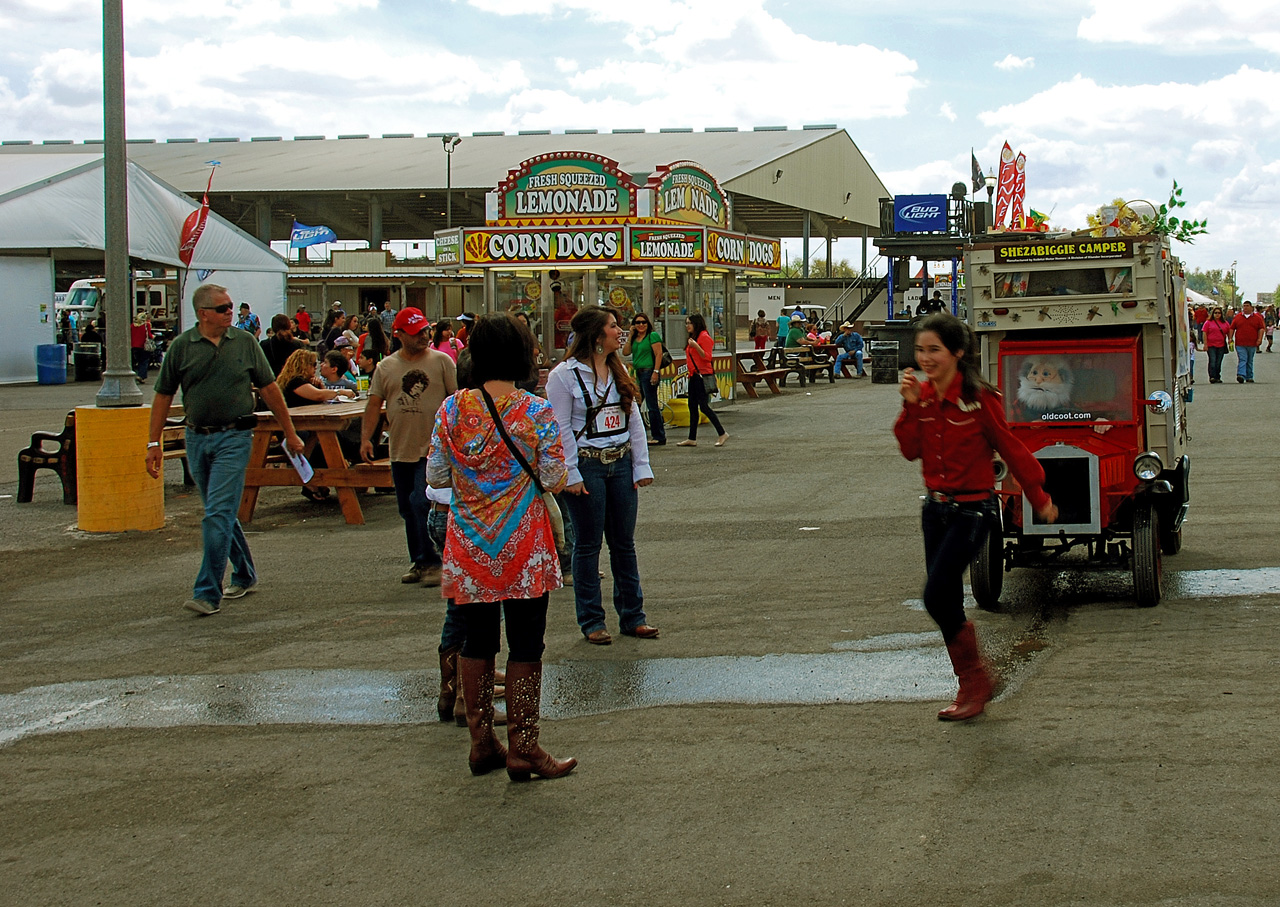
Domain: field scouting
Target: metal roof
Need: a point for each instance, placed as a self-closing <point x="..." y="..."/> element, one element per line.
<point x="773" y="176"/>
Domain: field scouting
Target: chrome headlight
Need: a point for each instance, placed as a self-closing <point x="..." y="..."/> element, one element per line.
<point x="1148" y="466"/>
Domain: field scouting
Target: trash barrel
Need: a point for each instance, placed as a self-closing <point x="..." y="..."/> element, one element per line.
<point x="51" y="363"/>
<point x="884" y="362"/>
<point x="87" y="360"/>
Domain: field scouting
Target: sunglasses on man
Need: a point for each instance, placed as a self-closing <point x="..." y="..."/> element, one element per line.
<point x="221" y="309"/>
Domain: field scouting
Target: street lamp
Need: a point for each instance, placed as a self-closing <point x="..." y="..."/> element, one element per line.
<point x="990" y="180"/>
<point x="1233" y="284"/>
<point x="450" y="142"/>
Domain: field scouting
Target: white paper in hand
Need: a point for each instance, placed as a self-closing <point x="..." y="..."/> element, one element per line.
<point x="305" y="472"/>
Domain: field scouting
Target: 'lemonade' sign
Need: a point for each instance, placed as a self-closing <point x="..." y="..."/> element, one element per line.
<point x="567" y="187"/>
<point x="687" y="193"/>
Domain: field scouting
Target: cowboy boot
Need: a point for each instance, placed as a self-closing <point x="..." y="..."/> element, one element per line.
<point x="487" y="753"/>
<point x="524" y="701"/>
<point x="448" y="683"/>
<point x="499" y="712"/>
<point x="975" y="682"/>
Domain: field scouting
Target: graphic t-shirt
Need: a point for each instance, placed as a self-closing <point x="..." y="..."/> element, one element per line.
<point x="413" y="391"/>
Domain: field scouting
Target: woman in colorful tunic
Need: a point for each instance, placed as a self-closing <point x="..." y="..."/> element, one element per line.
<point x="500" y="554"/>
<point x="953" y="423"/>
<point x="595" y="403"/>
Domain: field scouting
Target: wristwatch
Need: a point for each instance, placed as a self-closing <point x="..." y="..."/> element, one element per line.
<point x="151" y="444"/>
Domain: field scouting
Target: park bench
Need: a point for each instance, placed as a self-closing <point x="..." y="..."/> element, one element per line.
<point x="60" y="457"/>
<point x="806" y="364"/>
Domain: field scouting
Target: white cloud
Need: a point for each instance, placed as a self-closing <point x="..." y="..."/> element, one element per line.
<point x="1184" y="25"/>
<point x="946" y="112"/>
<point x="1010" y="63"/>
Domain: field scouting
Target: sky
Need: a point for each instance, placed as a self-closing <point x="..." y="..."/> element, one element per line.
<point x="1106" y="99"/>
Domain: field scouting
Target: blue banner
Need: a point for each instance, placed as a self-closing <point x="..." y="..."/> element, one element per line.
<point x="303" y="235"/>
<point x="920" y="214"/>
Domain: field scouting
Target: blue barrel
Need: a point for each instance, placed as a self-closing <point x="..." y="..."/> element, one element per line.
<point x="51" y="363"/>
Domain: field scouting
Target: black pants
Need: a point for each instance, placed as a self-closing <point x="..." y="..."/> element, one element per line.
<point x="953" y="533"/>
<point x="526" y="620"/>
<point x="700" y="402"/>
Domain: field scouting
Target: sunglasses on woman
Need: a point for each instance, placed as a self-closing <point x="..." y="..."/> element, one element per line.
<point x="639" y="321"/>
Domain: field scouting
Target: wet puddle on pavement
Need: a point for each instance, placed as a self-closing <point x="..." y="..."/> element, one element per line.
<point x="900" y="667"/>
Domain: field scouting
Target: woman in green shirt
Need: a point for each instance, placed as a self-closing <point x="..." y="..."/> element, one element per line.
<point x="644" y="346"/>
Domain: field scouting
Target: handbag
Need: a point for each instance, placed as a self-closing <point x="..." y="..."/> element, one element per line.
<point x="548" y="499"/>
<point x="709" y="382"/>
<point x="666" y="358"/>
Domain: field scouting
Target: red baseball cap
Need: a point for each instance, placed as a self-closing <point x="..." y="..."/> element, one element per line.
<point x="411" y="321"/>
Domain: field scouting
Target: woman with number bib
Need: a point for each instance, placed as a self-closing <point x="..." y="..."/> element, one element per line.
<point x="595" y="402"/>
<point x="954" y="423"/>
<point x="498" y="447"/>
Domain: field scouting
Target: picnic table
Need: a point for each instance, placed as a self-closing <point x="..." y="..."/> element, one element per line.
<point x="324" y="421"/>
<point x="752" y="370"/>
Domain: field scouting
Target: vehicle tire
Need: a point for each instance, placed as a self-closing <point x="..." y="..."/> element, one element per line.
<point x="1170" y="540"/>
<point x="986" y="571"/>
<point x="1147" y="565"/>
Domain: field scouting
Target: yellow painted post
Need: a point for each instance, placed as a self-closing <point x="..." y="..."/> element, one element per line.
<point x="115" y="492"/>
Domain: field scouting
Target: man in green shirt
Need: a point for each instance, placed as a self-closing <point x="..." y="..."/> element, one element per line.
<point x="217" y="368"/>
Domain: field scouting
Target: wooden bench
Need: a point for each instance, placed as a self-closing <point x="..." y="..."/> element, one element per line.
<point x="61" y="459"/>
<point x="173" y="442"/>
<point x="749" y="378"/>
<point x="807" y="365"/>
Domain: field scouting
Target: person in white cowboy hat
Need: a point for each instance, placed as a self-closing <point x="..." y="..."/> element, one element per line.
<point x="851" y="346"/>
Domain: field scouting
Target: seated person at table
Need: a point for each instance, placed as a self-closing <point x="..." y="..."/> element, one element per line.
<point x="348" y="351"/>
<point x="280" y="345"/>
<point x="797" y="334"/>
<point x="333" y="372"/>
<point x="851" y="346"/>
<point x="301" y="387"/>
<point x="368" y="360"/>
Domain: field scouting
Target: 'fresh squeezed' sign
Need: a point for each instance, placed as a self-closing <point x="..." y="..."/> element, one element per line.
<point x="665" y="245"/>
<point x="566" y="187"/>
<point x="920" y="214"/>
<point x="687" y="193"/>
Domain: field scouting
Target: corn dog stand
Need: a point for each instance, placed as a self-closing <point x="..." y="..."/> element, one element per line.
<point x="569" y="229"/>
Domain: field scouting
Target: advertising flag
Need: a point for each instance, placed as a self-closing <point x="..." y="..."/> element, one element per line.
<point x="303" y="235"/>
<point x="1004" y="188"/>
<point x="193" y="226"/>
<point x="978" y="180"/>
<point x="1016" y="218"/>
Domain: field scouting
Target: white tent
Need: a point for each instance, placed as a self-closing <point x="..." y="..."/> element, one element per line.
<point x="52" y="206"/>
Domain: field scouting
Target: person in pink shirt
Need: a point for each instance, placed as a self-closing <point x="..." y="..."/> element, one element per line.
<point x="1247" y="329"/>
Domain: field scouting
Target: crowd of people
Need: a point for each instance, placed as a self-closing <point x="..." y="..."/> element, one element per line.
<point x="1221" y="330"/>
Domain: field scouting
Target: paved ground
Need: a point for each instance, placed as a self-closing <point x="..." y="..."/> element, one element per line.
<point x="1132" y="761"/>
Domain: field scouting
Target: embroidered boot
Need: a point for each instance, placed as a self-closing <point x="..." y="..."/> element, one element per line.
<point x="448" y="683"/>
<point x="487" y="753"/>
<point x="524" y="704"/>
<point x="975" y="682"/>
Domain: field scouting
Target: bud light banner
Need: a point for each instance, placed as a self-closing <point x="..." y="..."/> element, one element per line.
<point x="920" y="214"/>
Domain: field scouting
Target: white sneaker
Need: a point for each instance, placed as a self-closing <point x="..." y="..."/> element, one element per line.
<point x="200" y="606"/>
<point x="234" y="591"/>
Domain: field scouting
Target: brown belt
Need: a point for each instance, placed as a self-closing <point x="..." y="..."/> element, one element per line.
<point x="440" y="508"/>
<point x="958" y="497"/>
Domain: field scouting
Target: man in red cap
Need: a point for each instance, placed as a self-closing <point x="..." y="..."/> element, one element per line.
<point x="413" y="382"/>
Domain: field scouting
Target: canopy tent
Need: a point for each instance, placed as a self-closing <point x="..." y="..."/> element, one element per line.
<point x="52" y="207"/>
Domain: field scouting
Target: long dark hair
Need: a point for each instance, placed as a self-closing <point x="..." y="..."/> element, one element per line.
<point x="699" y="324"/>
<point x="588" y="326"/>
<point x="437" y="332"/>
<point x="377" y="339"/>
<point x="501" y="348"/>
<point x="956" y="337"/>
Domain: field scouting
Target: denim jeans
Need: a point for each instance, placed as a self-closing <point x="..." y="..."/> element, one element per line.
<point x="1216" y="355"/>
<point x="699" y="402"/>
<point x="1244" y="361"/>
<point x="856" y="356"/>
<point x="453" y="633"/>
<point x="953" y="533"/>
<point x="410" y="481"/>
<point x="650" y="393"/>
<point x="217" y="463"/>
<point x="607" y="512"/>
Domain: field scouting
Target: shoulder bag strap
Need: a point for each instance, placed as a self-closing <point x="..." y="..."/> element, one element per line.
<point x="515" y="452"/>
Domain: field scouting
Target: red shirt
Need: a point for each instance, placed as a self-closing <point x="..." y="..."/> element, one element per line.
<point x="955" y="441"/>
<point x="1248" y="329"/>
<point x="700" y="350"/>
<point x="303" y="317"/>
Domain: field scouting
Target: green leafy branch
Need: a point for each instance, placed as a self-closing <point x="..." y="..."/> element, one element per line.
<point x="1166" y="223"/>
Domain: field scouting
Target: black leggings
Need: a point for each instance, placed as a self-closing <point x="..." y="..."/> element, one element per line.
<point x="953" y="534"/>
<point x="699" y="401"/>
<point x="526" y="628"/>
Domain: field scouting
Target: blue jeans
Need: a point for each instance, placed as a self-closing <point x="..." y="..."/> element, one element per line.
<point x="410" y="481"/>
<point x="1244" y="361"/>
<point x="856" y="356"/>
<point x="217" y="463"/>
<point x="1216" y="355"/>
<point x="607" y="512"/>
<point x="453" y="633"/>
<point x="650" y="393"/>
<point x="953" y="533"/>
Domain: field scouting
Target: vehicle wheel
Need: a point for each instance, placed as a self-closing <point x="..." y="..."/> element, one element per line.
<point x="1147" y="565"/>
<point x="986" y="571"/>
<point x="1170" y="540"/>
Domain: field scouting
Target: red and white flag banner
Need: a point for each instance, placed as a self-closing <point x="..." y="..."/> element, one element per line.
<point x="1004" y="186"/>
<point x="1017" y="218"/>
<point x="193" y="226"/>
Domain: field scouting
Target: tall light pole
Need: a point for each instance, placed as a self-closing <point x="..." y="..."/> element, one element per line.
<point x="450" y="142"/>
<point x="1233" y="284"/>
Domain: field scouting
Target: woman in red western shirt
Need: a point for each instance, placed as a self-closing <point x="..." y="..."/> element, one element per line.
<point x="954" y="423"/>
